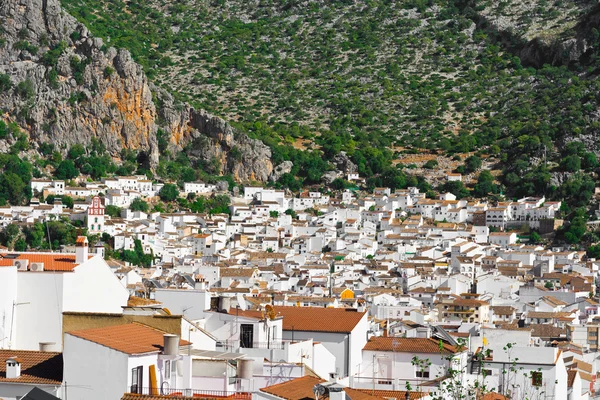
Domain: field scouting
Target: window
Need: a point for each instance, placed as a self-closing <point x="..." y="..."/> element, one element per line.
<point x="593" y="333"/>
<point x="137" y="376"/>
<point x="96" y="219"/>
<point x="168" y="369"/>
<point x="536" y="378"/>
<point x="422" y="373"/>
<point x="486" y="372"/>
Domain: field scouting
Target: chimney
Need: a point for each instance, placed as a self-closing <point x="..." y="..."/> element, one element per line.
<point x="13" y="368"/>
<point x="81" y="250"/>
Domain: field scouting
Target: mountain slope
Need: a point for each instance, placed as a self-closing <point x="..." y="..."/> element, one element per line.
<point x="64" y="86"/>
<point x="376" y="79"/>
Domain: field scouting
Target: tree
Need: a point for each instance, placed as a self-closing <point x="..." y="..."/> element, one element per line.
<point x="113" y="211"/>
<point x="485" y="184"/>
<point x="138" y="205"/>
<point x="67" y="201"/>
<point x="571" y="163"/>
<point x="13" y="189"/>
<point x="76" y="151"/>
<point x="291" y="213"/>
<point x="5" y="83"/>
<point x="9" y="235"/>
<point x="535" y="238"/>
<point x="66" y="170"/>
<point x="456" y="188"/>
<point x="273" y="214"/>
<point x="168" y="192"/>
<point x="472" y="164"/>
<point x="594" y="251"/>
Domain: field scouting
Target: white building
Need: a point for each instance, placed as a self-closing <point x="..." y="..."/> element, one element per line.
<point x="104" y="363"/>
<point x="36" y="288"/>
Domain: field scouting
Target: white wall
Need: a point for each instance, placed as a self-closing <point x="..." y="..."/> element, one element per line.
<point x="93" y="287"/>
<point x="39" y="318"/>
<point x="336" y="343"/>
<point x="94" y="372"/>
<point x="194" y="302"/>
<point x="8" y="295"/>
<point x="323" y="361"/>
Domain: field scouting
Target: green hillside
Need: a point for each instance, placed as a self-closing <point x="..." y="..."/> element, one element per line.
<point x="376" y="79"/>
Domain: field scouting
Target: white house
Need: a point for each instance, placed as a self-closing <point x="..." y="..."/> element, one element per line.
<point x="104" y="363"/>
<point x="36" y="288"/>
<point x="387" y="362"/>
<point x="342" y="331"/>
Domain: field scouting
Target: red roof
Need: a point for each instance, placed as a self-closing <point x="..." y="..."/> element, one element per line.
<point x="313" y="319"/>
<point x="37" y="367"/>
<point x="408" y="345"/>
<point x="133" y="338"/>
<point x="52" y="262"/>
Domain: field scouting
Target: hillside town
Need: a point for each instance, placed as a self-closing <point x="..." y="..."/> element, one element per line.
<point x="342" y="294"/>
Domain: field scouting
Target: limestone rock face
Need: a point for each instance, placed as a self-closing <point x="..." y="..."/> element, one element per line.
<point x="68" y="88"/>
<point x="213" y="141"/>
<point x="87" y="91"/>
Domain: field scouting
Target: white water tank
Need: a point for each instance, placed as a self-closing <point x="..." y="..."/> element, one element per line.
<point x="244" y="368"/>
<point x="171" y="345"/>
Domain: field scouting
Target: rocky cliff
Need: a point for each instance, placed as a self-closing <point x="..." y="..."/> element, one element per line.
<point x="68" y="87"/>
<point x="538" y="32"/>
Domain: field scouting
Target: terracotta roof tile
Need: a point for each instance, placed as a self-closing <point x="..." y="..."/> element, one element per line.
<point x="302" y="389"/>
<point x="38" y="367"/>
<point x="408" y="345"/>
<point x="314" y="319"/>
<point x="296" y="389"/>
<point x="133" y="338"/>
<point x="571" y="374"/>
<point x="52" y="262"/>
<point x="175" y="396"/>
<point x="391" y="394"/>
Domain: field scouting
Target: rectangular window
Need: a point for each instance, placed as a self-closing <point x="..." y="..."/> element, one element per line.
<point x="137" y="376"/>
<point x="422" y="373"/>
<point x="486" y="372"/>
<point x="168" y="369"/>
<point x="536" y="378"/>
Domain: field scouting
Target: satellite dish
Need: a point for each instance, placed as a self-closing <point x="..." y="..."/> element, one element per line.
<point x="242" y="302"/>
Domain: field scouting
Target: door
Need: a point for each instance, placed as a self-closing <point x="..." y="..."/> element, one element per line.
<point x="246" y="335"/>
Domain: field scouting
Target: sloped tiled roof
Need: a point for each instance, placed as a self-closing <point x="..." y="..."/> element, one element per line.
<point x="52" y="262"/>
<point x="296" y="389"/>
<point x="302" y="389"/>
<point x="133" y="338"/>
<point x="392" y="394"/>
<point x="314" y="319"/>
<point x="37" y="367"/>
<point x="571" y="374"/>
<point x="408" y="345"/>
<point x="547" y="331"/>
<point x="237" y="272"/>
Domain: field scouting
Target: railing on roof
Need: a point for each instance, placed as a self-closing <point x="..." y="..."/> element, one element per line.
<point x="237" y="344"/>
<point x="200" y="394"/>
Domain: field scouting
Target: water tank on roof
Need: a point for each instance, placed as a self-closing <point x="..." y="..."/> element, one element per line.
<point x="171" y="345"/>
<point x="244" y="368"/>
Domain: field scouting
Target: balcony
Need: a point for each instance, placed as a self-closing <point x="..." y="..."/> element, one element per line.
<point x="196" y="393"/>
